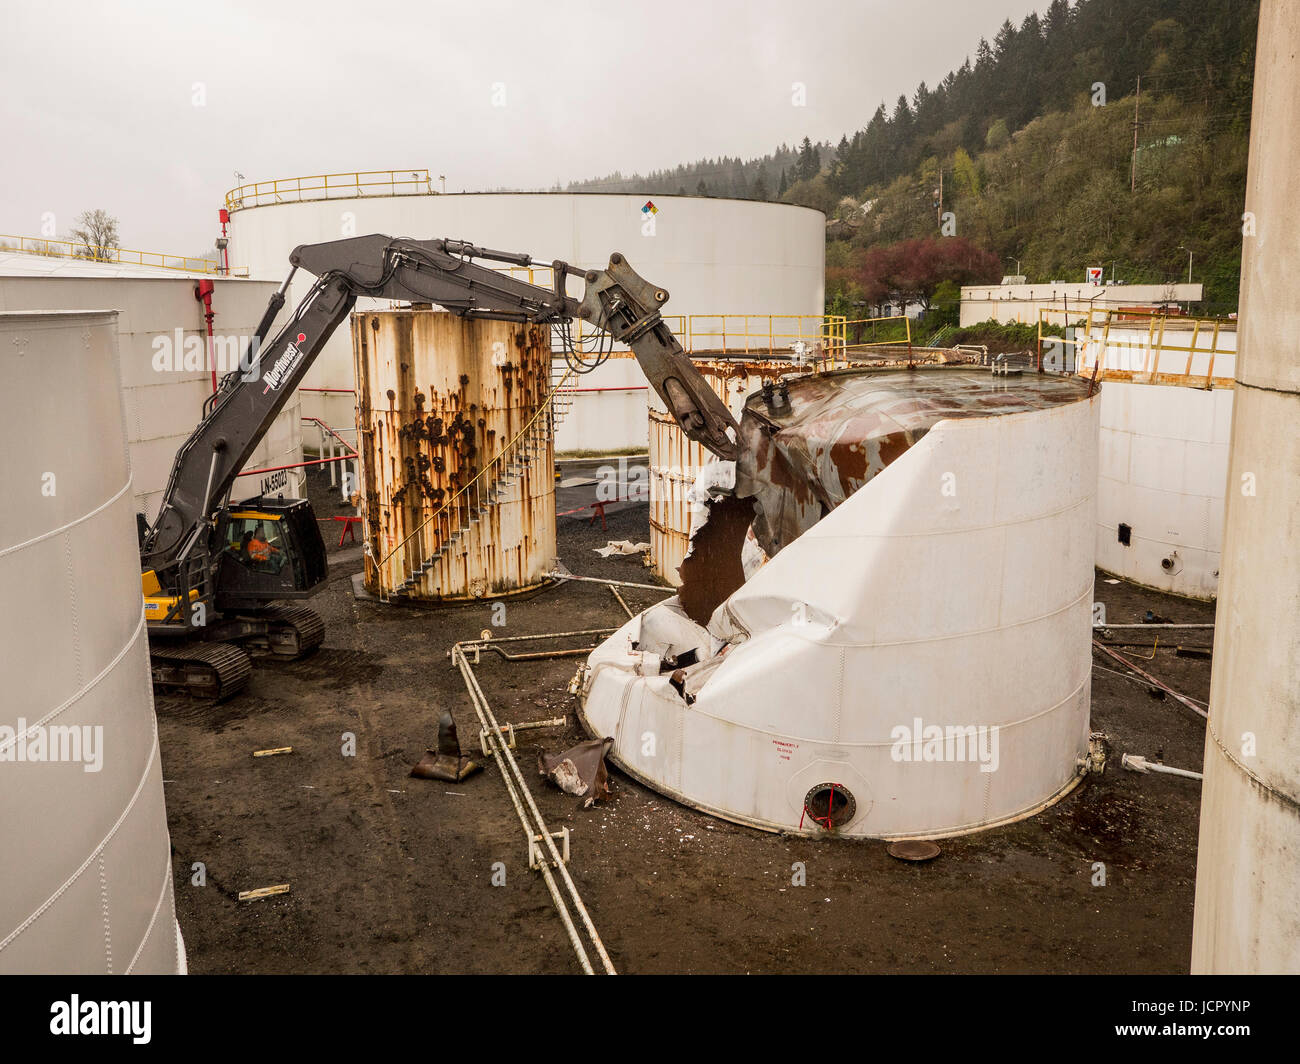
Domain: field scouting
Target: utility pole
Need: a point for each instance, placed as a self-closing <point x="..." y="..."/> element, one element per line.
<point x="1133" y="170"/>
<point x="939" y="211"/>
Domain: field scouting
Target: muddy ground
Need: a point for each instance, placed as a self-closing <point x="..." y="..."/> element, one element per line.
<point x="393" y="874"/>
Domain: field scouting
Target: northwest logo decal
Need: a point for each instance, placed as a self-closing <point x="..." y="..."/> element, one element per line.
<point x="284" y="365"/>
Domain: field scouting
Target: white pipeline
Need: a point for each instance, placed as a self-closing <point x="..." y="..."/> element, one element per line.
<point x="506" y="761"/>
<point x="1138" y="763"/>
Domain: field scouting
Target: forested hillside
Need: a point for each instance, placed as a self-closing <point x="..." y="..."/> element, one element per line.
<point x="1032" y="142"/>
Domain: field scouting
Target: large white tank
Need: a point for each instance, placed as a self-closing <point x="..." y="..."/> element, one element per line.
<point x="1165" y="418"/>
<point x="952" y="590"/>
<point x="1247" y="914"/>
<point x="714" y="256"/>
<point x="161" y="332"/>
<point x="85" y="884"/>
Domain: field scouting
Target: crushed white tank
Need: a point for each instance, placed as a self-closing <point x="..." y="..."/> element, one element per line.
<point x="916" y="663"/>
<point x="85" y="882"/>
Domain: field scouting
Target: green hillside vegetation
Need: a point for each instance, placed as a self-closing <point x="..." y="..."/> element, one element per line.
<point x="1034" y="166"/>
<point x="1056" y="196"/>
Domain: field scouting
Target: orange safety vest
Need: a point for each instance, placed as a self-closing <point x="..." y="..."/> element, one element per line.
<point x="259" y="550"/>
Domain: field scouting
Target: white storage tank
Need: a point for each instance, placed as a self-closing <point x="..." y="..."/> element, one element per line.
<point x="165" y="360"/>
<point x="915" y="663"/>
<point x="1165" y="420"/>
<point x="1247" y="914"/>
<point x="715" y="256"/>
<point x="85" y="885"/>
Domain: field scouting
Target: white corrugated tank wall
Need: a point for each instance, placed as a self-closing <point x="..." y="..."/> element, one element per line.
<point x="1164" y="461"/>
<point x="85" y="884"/>
<point x="714" y="256"/>
<point x="164" y="403"/>
<point x="906" y="607"/>
<point x="1163" y="465"/>
<point x="1247" y="913"/>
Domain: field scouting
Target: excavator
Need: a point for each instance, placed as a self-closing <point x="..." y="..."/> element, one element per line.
<point x="222" y="580"/>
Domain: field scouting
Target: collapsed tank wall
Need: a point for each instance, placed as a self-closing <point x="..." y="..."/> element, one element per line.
<point x="952" y="591"/>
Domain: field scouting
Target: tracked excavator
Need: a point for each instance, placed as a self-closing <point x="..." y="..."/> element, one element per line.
<point x="223" y="582"/>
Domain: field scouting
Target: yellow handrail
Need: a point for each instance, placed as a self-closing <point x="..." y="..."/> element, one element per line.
<point x="1096" y="326"/>
<point x="74" y="249"/>
<point x="753" y="334"/>
<point x="330" y="186"/>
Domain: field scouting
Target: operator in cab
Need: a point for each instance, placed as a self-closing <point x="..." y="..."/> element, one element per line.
<point x="262" y="551"/>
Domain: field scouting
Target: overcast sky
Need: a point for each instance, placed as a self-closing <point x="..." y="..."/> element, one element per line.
<point x="148" y="108"/>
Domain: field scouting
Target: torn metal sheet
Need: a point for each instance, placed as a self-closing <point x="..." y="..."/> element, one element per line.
<point x="715" y="566"/>
<point x="809" y="443"/>
<point x="579" y="770"/>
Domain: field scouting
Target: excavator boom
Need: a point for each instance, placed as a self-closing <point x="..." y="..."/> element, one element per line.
<point x="616" y="300"/>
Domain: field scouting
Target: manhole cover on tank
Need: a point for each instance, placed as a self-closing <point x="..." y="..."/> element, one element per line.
<point x="913" y="850"/>
<point x="830" y="805"/>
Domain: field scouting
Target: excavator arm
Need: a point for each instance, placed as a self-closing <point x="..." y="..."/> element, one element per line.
<point x="616" y="300"/>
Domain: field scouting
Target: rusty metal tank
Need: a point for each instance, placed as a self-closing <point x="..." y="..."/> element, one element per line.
<point x="675" y="460"/>
<point x="446" y="408"/>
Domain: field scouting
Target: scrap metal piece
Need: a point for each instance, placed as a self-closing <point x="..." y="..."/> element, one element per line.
<point x="579" y="770"/>
<point x="445" y="763"/>
<point x="714" y="568"/>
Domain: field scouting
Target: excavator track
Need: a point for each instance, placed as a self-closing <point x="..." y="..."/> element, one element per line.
<point x="211" y="671"/>
<point x="295" y="631"/>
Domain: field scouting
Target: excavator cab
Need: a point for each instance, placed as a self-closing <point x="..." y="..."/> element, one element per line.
<point x="270" y="550"/>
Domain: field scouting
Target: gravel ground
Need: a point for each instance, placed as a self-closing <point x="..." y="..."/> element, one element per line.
<point x="393" y="874"/>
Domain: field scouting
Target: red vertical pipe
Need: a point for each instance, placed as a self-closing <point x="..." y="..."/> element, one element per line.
<point x="203" y="293"/>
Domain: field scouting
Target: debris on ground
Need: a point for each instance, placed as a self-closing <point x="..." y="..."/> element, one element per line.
<point x="621" y="546"/>
<point x="579" y="770"/>
<point x="446" y="762"/>
<point x="263" y="892"/>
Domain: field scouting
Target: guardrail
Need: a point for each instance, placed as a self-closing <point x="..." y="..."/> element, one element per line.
<point x="330" y="186"/>
<point x="72" y="249"/>
<point x="842" y="336"/>
<point x="1143" y="347"/>
<point x="755" y="335"/>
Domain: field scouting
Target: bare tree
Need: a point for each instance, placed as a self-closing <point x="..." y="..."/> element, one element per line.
<point x="96" y="231"/>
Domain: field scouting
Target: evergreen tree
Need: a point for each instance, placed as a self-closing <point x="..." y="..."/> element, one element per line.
<point x="810" y="163"/>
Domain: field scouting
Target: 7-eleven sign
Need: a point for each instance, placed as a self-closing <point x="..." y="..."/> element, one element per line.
<point x="1096" y="274"/>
